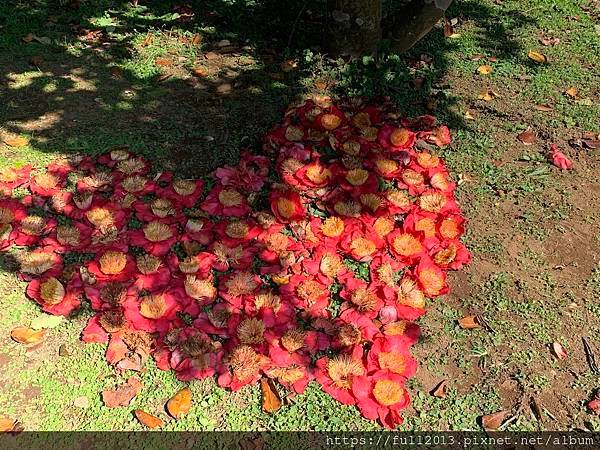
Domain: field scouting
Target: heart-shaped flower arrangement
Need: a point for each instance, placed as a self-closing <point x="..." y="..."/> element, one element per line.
<point x="310" y="261"/>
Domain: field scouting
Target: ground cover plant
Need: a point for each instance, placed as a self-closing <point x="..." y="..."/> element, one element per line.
<point x="85" y="79"/>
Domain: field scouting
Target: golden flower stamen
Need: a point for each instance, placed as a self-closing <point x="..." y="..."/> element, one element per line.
<point x="134" y="183"/>
<point x="362" y="247"/>
<point x="427" y="160"/>
<point x="351" y="147"/>
<point x="287" y="375"/>
<point x="440" y="181"/>
<point x="364" y="299"/>
<point x="58" y="202"/>
<point x="119" y="155"/>
<point x="46" y="180"/>
<point x="184" y="187"/>
<point x="286" y="207"/>
<point x="385" y="273"/>
<point x="6" y="215"/>
<point x="36" y="263"/>
<point x="251" y="331"/>
<point x="383" y="226"/>
<point x="409" y="294"/>
<point x="350" y="208"/>
<point x="68" y="235"/>
<point x="52" y="291"/>
<point x="199" y="288"/>
<point x="237" y="229"/>
<point x="394" y="361"/>
<point x="130" y="166"/>
<point x="386" y="166"/>
<point x="5" y="230"/>
<point x="291" y="165"/>
<point x="242" y="283"/>
<point x="147" y="264"/>
<point x="293" y="340"/>
<point x="267" y="300"/>
<point x="219" y="317"/>
<point x="318" y="174"/>
<point x="310" y="291"/>
<point x="112" y="262"/>
<point x="406" y="245"/>
<point x="357" y="177"/>
<point x="399" y="137"/>
<point x="398" y="198"/>
<point x="412" y="177"/>
<point x="8" y="175"/>
<point x="194" y="225"/>
<point x="98" y="179"/>
<point x="33" y="225"/>
<point x="245" y="363"/>
<point x="83" y="200"/>
<point x="113" y="293"/>
<point x="371" y="201"/>
<point x="361" y="120"/>
<point x="388" y="392"/>
<point x="332" y="227"/>
<point x="349" y="334"/>
<point x="161" y="207"/>
<point x="432" y="201"/>
<point x="341" y="370"/>
<point x="293" y="133"/>
<point x="153" y="306"/>
<point x="189" y="265"/>
<point x="100" y="217"/>
<point x="230" y="197"/>
<point x="449" y="229"/>
<point x="157" y="231"/>
<point x="396" y="328"/>
<point x="112" y="321"/>
<point x="331" y="264"/>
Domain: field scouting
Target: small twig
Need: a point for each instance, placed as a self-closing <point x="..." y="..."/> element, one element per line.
<point x="589" y="356"/>
<point x="293" y="30"/>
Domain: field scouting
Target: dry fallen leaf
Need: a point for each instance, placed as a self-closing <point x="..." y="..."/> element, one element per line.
<point x="544" y="108"/>
<point x="163" y="62"/>
<point x="440" y="390"/>
<point x="549" y="41"/>
<point x="29" y="37"/>
<point x="485" y="69"/>
<point x="537" y="57"/>
<point x="558" y="350"/>
<point x="24" y="335"/>
<point x="7" y="424"/>
<point x="148" y="419"/>
<point x="492" y="422"/>
<point x="572" y="92"/>
<point x="487" y="95"/>
<point x="591" y="143"/>
<point x="147" y="41"/>
<point x="469" y="322"/>
<point x="17" y="142"/>
<point x="477" y="57"/>
<point x="180" y="404"/>
<point x="526" y="137"/>
<point x="200" y="72"/>
<point x="288" y="65"/>
<point x="448" y="29"/>
<point x="469" y="115"/>
<point x="123" y="394"/>
<point x="196" y="39"/>
<point x="271" y="401"/>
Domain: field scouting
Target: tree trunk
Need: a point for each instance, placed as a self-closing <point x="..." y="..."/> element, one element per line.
<point x="354" y="26"/>
<point x="406" y="26"/>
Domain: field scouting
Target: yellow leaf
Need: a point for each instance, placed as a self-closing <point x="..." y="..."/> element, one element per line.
<point x="180" y="403"/>
<point x="537" y="57"/>
<point x="469" y="116"/>
<point x="148" y="419"/>
<point x="487" y="95"/>
<point x="288" y="65"/>
<point x="17" y="142"/>
<point x="485" y="69"/>
<point x="24" y="335"/>
<point x="572" y="92"/>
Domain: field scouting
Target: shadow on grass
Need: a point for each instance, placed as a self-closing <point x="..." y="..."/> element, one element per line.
<point x="84" y="83"/>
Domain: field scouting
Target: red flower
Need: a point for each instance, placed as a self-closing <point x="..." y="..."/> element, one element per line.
<point x="153" y="273"/>
<point x="326" y="264"/>
<point x="228" y="256"/>
<point x="54" y="296"/>
<point x="382" y="396"/>
<point x="46" y="184"/>
<point x="154" y="311"/>
<point x="93" y="332"/>
<point x="108" y="295"/>
<point x="225" y="201"/>
<point x="249" y="175"/>
<point x="361" y="242"/>
<point x="239" y="285"/>
<point x="156" y="238"/>
<point x="198" y="229"/>
<point x="391" y="353"/>
<point x="136" y="186"/>
<point x="41" y="261"/>
<point x="182" y="192"/>
<point x="361" y="296"/>
<point x="431" y="278"/>
<point x="559" y="159"/>
<point x="419" y="222"/>
<point x="338" y="374"/>
<point x="112" y="265"/>
<point x="160" y="209"/>
<point x="193" y="355"/>
<point x="11" y="178"/>
<point x="287" y="205"/>
<point x="396" y="139"/>
<point x="242" y="366"/>
<point x="69" y="238"/>
<point x="236" y="231"/>
<point x="450" y="255"/>
<point x="113" y="157"/>
<point x="440" y="136"/>
<point x="450" y="226"/>
<point x="307" y="294"/>
<point x="407" y="247"/>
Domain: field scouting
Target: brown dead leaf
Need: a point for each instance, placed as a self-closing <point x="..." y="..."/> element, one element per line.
<point x="271" y="401"/>
<point x="448" y="29"/>
<point x="591" y="143"/>
<point x="211" y="55"/>
<point x="486" y="69"/>
<point x="469" y="322"/>
<point x="180" y="404"/>
<point x="123" y="394"/>
<point x="224" y="88"/>
<point x="148" y="419"/>
<point x="469" y="115"/>
<point x="17" y="142"/>
<point x="29" y="37"/>
<point x="526" y="137"/>
<point x="546" y="41"/>
<point x="440" y="390"/>
<point x="163" y="62"/>
<point x="147" y="40"/>
<point x="572" y="92"/>
<point x="558" y="350"/>
<point x="116" y="73"/>
<point x="477" y="57"/>
<point x="289" y="65"/>
<point x="544" y="108"/>
<point x="163" y="77"/>
<point x="27" y="336"/>
<point x="492" y="422"/>
<point x="200" y="72"/>
<point x="539" y="58"/>
<point x="6" y="424"/>
<point x="321" y="85"/>
<point x="487" y="96"/>
<point x="196" y="39"/>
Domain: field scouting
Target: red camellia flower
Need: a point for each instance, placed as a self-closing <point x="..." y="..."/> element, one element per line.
<point x="11" y="178"/>
<point x="396" y="138"/>
<point x="382" y="396"/>
<point x="559" y="159"/>
<point x="450" y="255"/>
<point x="156" y="237"/>
<point x="287" y="205"/>
<point x="153" y="273"/>
<point x="249" y="175"/>
<point x="225" y="201"/>
<point x="306" y="293"/>
<point x="46" y="184"/>
<point x="431" y="278"/>
<point x="242" y="366"/>
<point x="54" y="296"/>
<point x="112" y="265"/>
<point x="338" y="374"/>
<point x="68" y="238"/>
<point x="391" y="353"/>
